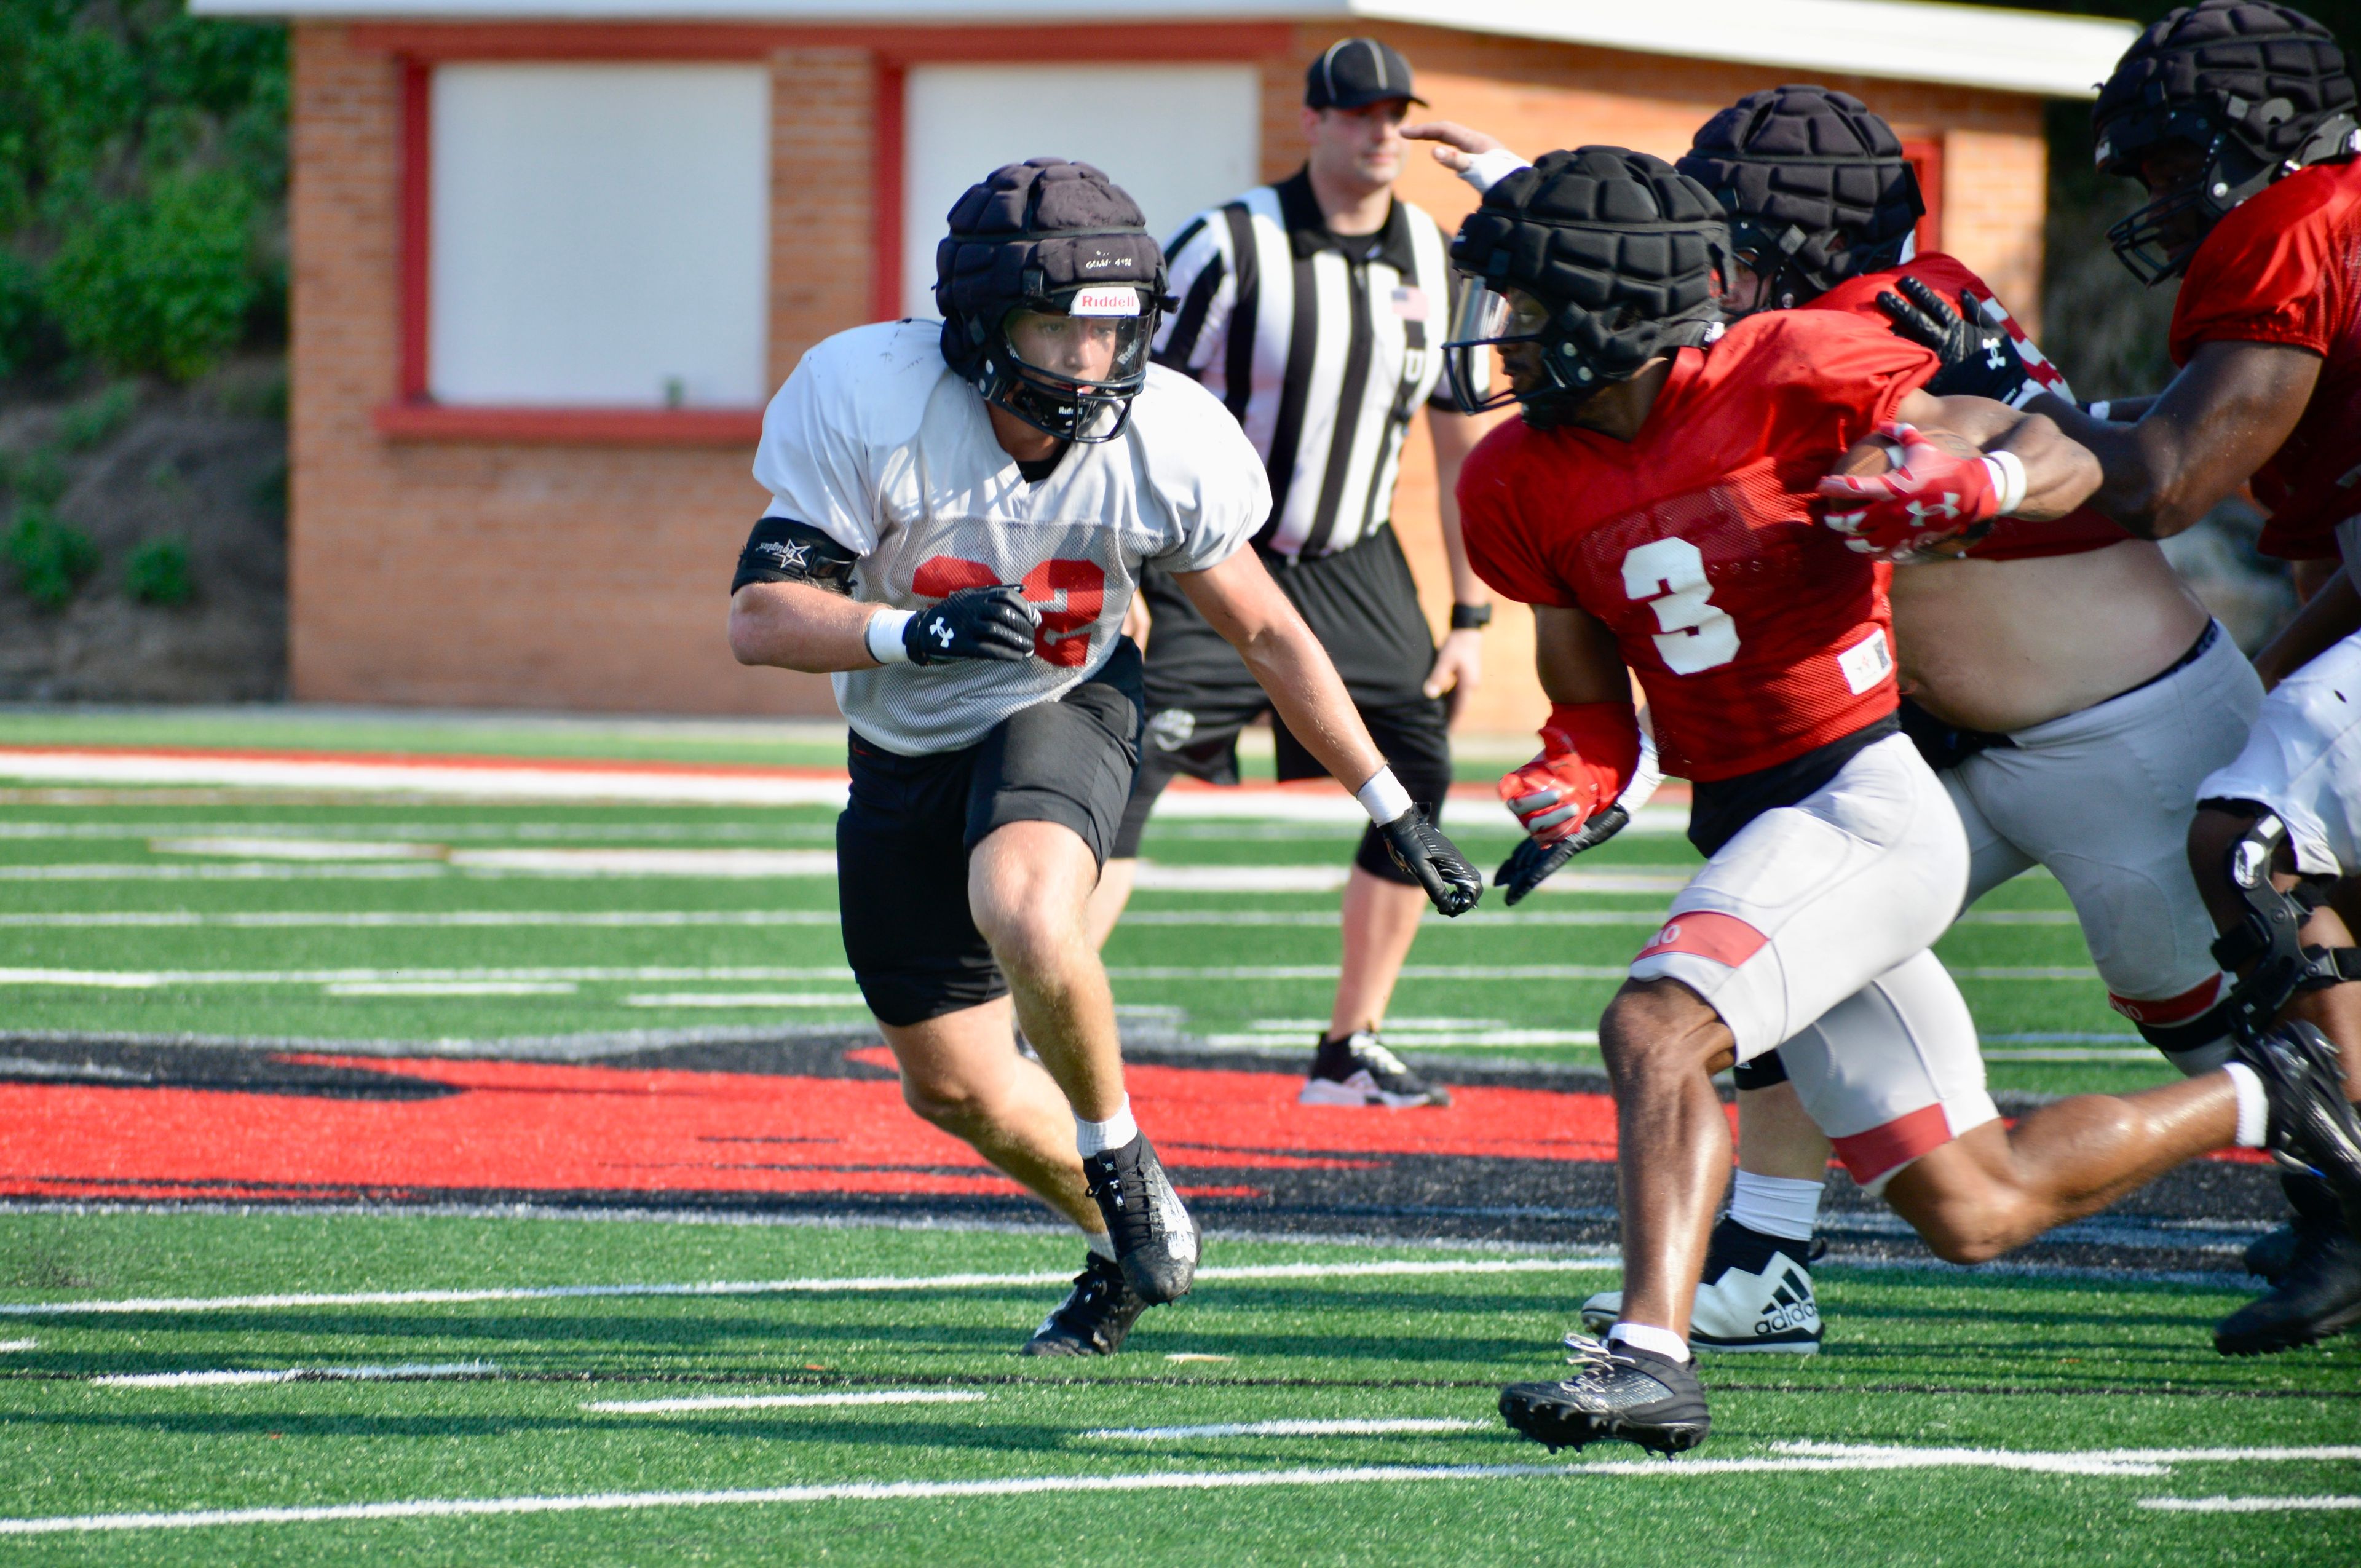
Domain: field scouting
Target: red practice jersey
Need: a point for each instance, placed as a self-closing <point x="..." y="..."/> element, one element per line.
<point x="1757" y="635"/>
<point x="2012" y="538"/>
<point x="2285" y="267"/>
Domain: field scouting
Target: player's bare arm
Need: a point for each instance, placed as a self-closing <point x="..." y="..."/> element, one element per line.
<point x="1459" y="657"/>
<point x="2059" y="473"/>
<point x="2200" y="438"/>
<point x="794" y="626"/>
<point x="2331" y="615"/>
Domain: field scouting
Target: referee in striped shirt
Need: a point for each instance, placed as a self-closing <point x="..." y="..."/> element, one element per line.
<point x="1315" y="308"/>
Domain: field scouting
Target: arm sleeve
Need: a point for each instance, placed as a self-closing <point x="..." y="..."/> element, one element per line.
<point x="1205" y="282"/>
<point x="812" y="457"/>
<point x="1503" y="549"/>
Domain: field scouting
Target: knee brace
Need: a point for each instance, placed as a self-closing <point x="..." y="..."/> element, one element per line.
<point x="2269" y="930"/>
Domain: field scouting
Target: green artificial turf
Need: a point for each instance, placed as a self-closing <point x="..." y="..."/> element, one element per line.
<point x="1208" y="936"/>
<point x="1916" y="1360"/>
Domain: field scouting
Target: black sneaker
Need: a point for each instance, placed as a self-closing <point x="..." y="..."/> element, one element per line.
<point x="1359" y="1071"/>
<point x="1154" y="1240"/>
<point x="1095" y="1317"/>
<point x="2270" y="1255"/>
<point x="2312" y="1125"/>
<point x="1756" y="1294"/>
<point x="2318" y="1297"/>
<point x="1632" y="1395"/>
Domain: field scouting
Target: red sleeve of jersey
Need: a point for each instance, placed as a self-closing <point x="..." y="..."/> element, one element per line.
<point x="1834" y="378"/>
<point x="1504" y="551"/>
<point x="2263" y="274"/>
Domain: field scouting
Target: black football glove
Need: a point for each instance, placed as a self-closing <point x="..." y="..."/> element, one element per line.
<point x="974" y="623"/>
<point x="1419" y="848"/>
<point x="1532" y="863"/>
<point x="1978" y="360"/>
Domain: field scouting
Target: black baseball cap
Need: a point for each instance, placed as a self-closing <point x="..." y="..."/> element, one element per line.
<point x="1352" y="72"/>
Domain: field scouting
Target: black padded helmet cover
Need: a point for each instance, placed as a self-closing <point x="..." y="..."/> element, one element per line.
<point x="1799" y="170"/>
<point x="1030" y="235"/>
<point x="2266" y="76"/>
<point x="1629" y="253"/>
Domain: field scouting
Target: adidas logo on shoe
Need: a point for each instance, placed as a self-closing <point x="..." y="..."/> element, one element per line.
<point x="1758" y="1297"/>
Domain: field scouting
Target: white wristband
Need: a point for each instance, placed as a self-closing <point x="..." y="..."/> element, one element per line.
<point x="2097" y="409"/>
<point x="1486" y="169"/>
<point x="2007" y="480"/>
<point x="884" y="636"/>
<point x="1383" y="797"/>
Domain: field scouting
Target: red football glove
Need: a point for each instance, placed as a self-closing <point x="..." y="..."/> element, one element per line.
<point x="1929" y="497"/>
<point x="1589" y="750"/>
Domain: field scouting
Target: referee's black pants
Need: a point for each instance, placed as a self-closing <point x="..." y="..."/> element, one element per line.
<point x="1363" y="607"/>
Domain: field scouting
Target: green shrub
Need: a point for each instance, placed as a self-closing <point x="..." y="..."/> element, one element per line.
<point x="157" y="573"/>
<point x="52" y="559"/>
<point x="36" y="475"/>
<point x="93" y="420"/>
<point x="161" y="284"/>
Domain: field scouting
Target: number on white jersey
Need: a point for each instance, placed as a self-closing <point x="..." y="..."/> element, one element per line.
<point x="1668" y="575"/>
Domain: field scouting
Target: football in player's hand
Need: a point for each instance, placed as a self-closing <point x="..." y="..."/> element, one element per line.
<point x="1878" y="454"/>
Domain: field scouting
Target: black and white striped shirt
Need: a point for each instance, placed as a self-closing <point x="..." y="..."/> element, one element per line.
<point x="1322" y="346"/>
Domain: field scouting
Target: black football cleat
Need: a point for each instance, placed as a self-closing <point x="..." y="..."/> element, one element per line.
<point x="1154" y="1240"/>
<point x="2270" y="1255"/>
<point x="1359" y="1071"/>
<point x="2311" y="1123"/>
<point x="2317" y="1298"/>
<point x="1619" y="1393"/>
<point x="1095" y="1316"/>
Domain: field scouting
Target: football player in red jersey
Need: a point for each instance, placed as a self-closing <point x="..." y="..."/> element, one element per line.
<point x="1656" y="507"/>
<point x="2066" y="686"/>
<point x="2239" y="118"/>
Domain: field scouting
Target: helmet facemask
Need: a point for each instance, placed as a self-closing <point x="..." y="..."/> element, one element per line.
<point x="1072" y="369"/>
<point x="1569" y="375"/>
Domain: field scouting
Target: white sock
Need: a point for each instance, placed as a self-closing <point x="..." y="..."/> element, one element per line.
<point x="1101" y="1245"/>
<point x="1096" y="1138"/>
<point x="1775" y="1205"/>
<point x="2254" y="1105"/>
<point x="1657" y="1341"/>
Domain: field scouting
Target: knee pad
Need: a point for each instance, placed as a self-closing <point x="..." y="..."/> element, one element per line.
<point x="2269" y="930"/>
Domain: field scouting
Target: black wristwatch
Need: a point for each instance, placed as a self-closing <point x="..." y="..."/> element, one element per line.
<point x="1470" y="617"/>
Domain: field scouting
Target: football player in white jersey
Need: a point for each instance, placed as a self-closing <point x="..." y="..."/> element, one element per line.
<point x="960" y="515"/>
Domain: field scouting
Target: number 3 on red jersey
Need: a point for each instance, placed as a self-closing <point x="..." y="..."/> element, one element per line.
<point x="1081" y="584"/>
<point x="1668" y="576"/>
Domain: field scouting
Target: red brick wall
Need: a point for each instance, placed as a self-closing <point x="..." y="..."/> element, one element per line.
<point x="593" y="576"/>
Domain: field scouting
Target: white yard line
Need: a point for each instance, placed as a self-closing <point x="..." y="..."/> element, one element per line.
<point x="783" y="1401"/>
<point x="406" y="1372"/>
<point x="273" y="919"/>
<point x="455" y="988"/>
<point x="238" y="871"/>
<point x="1296" y="1429"/>
<point x="9" y="1344"/>
<point x="1391" y="1267"/>
<point x="2247" y="1505"/>
<point x="1825" y="1458"/>
<point x="741" y="999"/>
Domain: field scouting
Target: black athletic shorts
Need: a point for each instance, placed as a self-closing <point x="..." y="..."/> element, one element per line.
<point x="1363" y="607"/>
<point x="902" y="842"/>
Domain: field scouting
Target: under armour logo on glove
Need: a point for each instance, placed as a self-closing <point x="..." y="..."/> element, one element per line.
<point x="1936" y="495"/>
<point x="1977" y="362"/>
<point x="974" y="623"/>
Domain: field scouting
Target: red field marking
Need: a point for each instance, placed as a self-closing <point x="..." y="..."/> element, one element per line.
<point x="525" y="1126"/>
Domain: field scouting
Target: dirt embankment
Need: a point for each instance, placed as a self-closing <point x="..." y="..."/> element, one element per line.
<point x="128" y="466"/>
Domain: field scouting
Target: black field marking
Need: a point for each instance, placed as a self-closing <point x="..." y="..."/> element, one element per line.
<point x="1010" y="1379"/>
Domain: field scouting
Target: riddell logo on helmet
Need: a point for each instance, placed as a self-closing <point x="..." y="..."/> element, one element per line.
<point x="1119" y="301"/>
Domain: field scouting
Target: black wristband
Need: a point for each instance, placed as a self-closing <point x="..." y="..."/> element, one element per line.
<point x="1470" y="617"/>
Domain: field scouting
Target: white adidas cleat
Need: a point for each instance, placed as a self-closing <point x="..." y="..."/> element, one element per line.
<point x="1757" y="1296"/>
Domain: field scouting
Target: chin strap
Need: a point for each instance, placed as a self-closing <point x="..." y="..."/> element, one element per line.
<point x="2269" y="935"/>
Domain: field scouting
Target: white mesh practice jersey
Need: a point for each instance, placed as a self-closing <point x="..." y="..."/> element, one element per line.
<point x="877" y="444"/>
